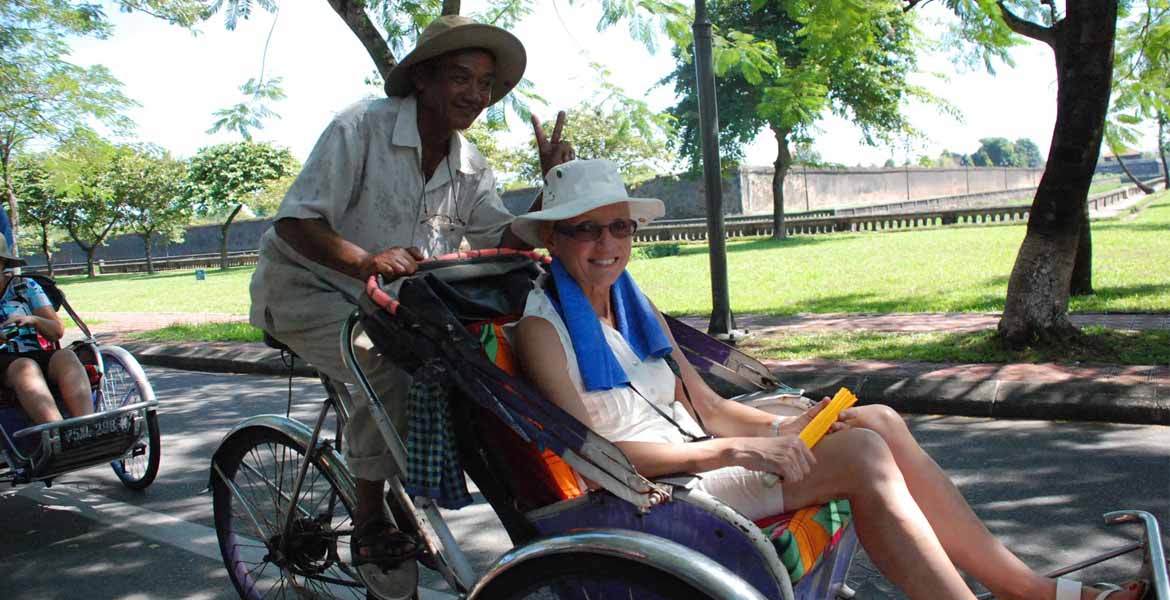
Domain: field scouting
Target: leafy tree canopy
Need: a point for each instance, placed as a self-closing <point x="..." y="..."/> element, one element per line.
<point x="227" y="175"/>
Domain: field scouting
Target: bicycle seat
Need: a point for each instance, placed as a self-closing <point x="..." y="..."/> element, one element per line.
<point x="276" y="344"/>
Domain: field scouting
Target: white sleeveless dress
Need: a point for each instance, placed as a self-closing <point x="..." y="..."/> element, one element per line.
<point x="621" y="415"/>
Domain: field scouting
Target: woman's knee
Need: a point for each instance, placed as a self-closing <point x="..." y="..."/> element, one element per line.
<point x="880" y="418"/>
<point x="868" y="457"/>
<point x="24" y="372"/>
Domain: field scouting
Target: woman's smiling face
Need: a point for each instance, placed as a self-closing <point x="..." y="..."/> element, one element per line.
<point x="593" y="264"/>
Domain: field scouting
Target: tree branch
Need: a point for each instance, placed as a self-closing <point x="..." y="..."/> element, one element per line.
<point x="353" y="12"/>
<point x="1025" y="27"/>
<point x="911" y="4"/>
<point x="451" y="7"/>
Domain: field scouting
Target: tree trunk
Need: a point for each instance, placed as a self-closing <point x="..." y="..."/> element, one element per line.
<point x="90" y="251"/>
<point x="1081" y="283"/>
<point x="1162" y="135"/>
<point x="353" y="12"/>
<point x="47" y="248"/>
<point x="10" y="193"/>
<point x="147" y="245"/>
<point x="1036" y="307"/>
<point x="779" y="172"/>
<point x="1125" y="168"/>
<point x="223" y="237"/>
<point x="451" y="7"/>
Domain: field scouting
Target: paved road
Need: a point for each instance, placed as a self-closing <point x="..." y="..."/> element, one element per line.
<point x="1041" y="486"/>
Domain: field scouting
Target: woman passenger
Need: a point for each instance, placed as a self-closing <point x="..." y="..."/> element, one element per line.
<point x="597" y="347"/>
<point x="26" y="366"/>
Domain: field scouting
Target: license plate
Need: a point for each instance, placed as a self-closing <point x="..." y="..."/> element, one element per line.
<point x="73" y="436"/>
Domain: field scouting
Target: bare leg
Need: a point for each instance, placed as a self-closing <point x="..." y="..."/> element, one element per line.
<point x="857" y="465"/>
<point x="68" y="373"/>
<point x="25" y="378"/>
<point x="967" y="541"/>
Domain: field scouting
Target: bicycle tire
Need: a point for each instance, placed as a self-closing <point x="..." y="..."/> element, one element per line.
<point x="581" y="575"/>
<point x="123" y="383"/>
<point x="260" y="461"/>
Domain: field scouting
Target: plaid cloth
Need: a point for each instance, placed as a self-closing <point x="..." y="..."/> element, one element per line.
<point x="433" y="469"/>
<point x="803" y="538"/>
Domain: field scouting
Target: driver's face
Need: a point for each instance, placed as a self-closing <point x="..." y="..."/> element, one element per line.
<point x="457" y="90"/>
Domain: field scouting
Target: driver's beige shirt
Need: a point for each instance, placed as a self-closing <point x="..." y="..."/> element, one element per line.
<point x="364" y="178"/>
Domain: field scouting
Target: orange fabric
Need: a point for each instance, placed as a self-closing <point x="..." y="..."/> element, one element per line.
<point x="499" y="350"/>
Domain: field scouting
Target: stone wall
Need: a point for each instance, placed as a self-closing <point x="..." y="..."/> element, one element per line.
<point x="200" y="239"/>
<point x="818" y="189"/>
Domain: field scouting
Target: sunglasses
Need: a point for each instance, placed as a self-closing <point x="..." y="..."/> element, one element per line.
<point x="588" y="231"/>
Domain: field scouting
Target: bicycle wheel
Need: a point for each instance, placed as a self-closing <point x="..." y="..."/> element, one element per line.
<point x="124" y="383"/>
<point x="583" y="576"/>
<point x="262" y="465"/>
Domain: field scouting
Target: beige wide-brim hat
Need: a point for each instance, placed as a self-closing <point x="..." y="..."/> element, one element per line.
<point x="577" y="187"/>
<point x="453" y="32"/>
<point x="7" y="255"/>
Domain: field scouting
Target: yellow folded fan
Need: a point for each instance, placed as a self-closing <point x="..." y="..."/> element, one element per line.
<point x="819" y="426"/>
<point x="816" y="429"/>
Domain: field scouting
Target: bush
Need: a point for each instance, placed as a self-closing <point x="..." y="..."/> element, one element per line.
<point x="656" y="250"/>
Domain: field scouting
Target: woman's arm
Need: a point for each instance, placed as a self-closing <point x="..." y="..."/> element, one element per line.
<point x="44" y="319"/>
<point x="722" y="417"/>
<point x="542" y="360"/>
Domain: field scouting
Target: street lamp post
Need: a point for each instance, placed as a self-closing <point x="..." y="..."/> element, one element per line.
<point x="722" y="323"/>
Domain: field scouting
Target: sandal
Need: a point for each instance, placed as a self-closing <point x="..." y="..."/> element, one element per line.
<point x="1068" y="589"/>
<point x="382" y="554"/>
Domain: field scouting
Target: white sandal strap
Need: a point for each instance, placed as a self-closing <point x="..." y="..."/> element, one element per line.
<point x="1068" y="589"/>
<point x="1109" y="589"/>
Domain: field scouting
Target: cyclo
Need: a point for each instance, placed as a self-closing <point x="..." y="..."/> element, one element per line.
<point x="122" y="431"/>
<point x="583" y="522"/>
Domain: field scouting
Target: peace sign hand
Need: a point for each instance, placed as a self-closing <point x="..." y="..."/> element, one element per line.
<point x="552" y="151"/>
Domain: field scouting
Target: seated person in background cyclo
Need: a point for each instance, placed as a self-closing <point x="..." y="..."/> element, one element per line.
<point x="27" y="319"/>
<point x="390" y="182"/>
<point x="597" y="347"/>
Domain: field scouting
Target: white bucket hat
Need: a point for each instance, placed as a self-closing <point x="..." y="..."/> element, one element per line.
<point x="577" y="187"/>
<point x="453" y="32"/>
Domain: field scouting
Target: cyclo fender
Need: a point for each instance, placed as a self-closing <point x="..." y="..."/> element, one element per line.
<point x="670" y="557"/>
<point x="330" y="459"/>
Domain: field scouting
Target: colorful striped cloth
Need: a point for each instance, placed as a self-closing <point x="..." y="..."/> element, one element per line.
<point x="803" y="538"/>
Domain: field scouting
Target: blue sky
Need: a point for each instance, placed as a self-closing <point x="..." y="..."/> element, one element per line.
<point x="180" y="79"/>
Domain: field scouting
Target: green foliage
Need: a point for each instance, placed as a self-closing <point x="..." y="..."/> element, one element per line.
<point x="82" y="175"/>
<point x="45" y="97"/>
<point x="149" y="189"/>
<point x="611" y="125"/>
<point x="40" y="207"/>
<point x="1027" y="154"/>
<point x="225" y="176"/>
<point x="994" y="152"/>
<point x="1141" y="87"/>
<point x="782" y="65"/>
<point x="250" y="114"/>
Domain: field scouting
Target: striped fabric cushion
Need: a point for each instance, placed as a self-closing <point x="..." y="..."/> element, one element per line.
<point x="803" y="538"/>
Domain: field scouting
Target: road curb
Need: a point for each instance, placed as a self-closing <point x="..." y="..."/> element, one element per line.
<point x="1139" y="403"/>
<point x="1139" y="395"/>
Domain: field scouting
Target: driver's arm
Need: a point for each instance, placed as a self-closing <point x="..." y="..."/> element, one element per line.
<point x="316" y="240"/>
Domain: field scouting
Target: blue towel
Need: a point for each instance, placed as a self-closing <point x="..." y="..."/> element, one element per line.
<point x="635" y="320"/>
<point x="433" y="468"/>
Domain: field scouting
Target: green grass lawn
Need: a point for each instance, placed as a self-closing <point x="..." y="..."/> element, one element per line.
<point x="167" y="291"/>
<point x="959" y="269"/>
<point x="944" y="269"/>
